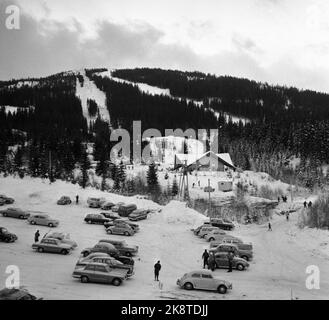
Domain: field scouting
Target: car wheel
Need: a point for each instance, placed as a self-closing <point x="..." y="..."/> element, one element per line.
<point x="128" y="254"/>
<point x="64" y="251"/>
<point x="240" y="267"/>
<point x="126" y="233"/>
<point x="32" y="222"/>
<point x="211" y="239"/>
<point x="89" y="221"/>
<point x="245" y="258"/>
<point x="21" y="217"/>
<point x="40" y="249"/>
<point x="50" y="225"/>
<point x="7" y="240"/>
<point x="222" y="289"/>
<point x="109" y="231"/>
<point x="4" y="214"/>
<point x="116" y="282"/>
<point x="188" y="286"/>
<point x="84" y="279"/>
<point x="85" y="254"/>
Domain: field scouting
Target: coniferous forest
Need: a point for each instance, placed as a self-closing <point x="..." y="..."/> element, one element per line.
<point x="47" y="135"/>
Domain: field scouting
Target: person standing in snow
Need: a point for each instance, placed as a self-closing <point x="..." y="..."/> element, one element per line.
<point x="205" y="257"/>
<point x="76" y="199"/>
<point x="305" y="204"/>
<point x="310" y="204"/>
<point x="36" y="236"/>
<point x="287" y="216"/>
<point x="212" y="262"/>
<point x="157" y="268"/>
<point x="269" y="226"/>
<point x="230" y="257"/>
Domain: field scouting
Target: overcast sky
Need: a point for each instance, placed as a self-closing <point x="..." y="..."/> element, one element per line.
<point x="278" y="41"/>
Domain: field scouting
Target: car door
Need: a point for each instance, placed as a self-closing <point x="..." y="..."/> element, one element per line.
<point x="196" y="280"/>
<point x="101" y="274"/>
<point x="207" y="282"/>
<point x="89" y="271"/>
<point x="41" y="220"/>
<point x="222" y="260"/>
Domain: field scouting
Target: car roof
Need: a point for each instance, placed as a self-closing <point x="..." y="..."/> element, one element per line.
<point x="97" y="264"/>
<point x="201" y="271"/>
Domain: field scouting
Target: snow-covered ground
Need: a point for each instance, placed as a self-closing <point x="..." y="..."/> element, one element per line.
<point x="88" y="90"/>
<point x="278" y="270"/>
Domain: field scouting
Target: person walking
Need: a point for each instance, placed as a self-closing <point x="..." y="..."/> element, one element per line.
<point x="157" y="268"/>
<point x="36" y="236"/>
<point x="310" y="204"/>
<point x="77" y="199"/>
<point x="269" y="226"/>
<point x="305" y="204"/>
<point x="205" y="257"/>
<point x="230" y="257"/>
<point x="287" y="216"/>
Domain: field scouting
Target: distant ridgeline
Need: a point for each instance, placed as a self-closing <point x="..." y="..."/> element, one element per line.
<point x="282" y="122"/>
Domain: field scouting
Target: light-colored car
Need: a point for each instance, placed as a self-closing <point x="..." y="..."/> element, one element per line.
<point x="95" y="202"/>
<point x="215" y="235"/>
<point x="15" y="213"/>
<point x="242" y="250"/>
<point x="110" y="261"/>
<point x="63" y="237"/>
<point x="64" y="200"/>
<point x="204" y="280"/>
<point x="43" y="220"/>
<point x="101" y="273"/>
<point x="232" y="240"/>
<point x="52" y="245"/>
<point x="219" y="240"/>
<point x="205" y="230"/>
<point x="125" y="230"/>
<point x="138" y="214"/>
<point x="101" y="247"/>
<point x="123" y="247"/>
<point x="221" y="259"/>
<point x="122" y="222"/>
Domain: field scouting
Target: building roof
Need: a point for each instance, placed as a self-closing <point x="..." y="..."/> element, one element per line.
<point x="190" y="159"/>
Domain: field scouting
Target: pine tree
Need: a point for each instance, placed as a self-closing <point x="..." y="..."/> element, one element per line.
<point x="85" y="166"/>
<point x="174" y="188"/>
<point x="121" y="175"/>
<point x="152" y="178"/>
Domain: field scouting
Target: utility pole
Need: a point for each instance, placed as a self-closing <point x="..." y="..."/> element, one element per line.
<point x="209" y="204"/>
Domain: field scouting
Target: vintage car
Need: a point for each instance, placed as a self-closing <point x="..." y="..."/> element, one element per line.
<point x="16" y="294"/>
<point x="126" y="209"/>
<point x="242" y="250"/>
<point x="204" y="280"/>
<point x="52" y="246"/>
<point x="205" y="230"/>
<point x="95" y="202"/>
<point x="96" y="218"/>
<point x="63" y="237"/>
<point x="139" y="214"/>
<point x="101" y="273"/>
<point x="101" y="247"/>
<point x="222" y="223"/>
<point x="122" y="246"/>
<point x="107" y="205"/>
<point x="64" y="200"/>
<point x="6" y="236"/>
<point x="117" y="206"/>
<point x="123" y="229"/>
<point x="111" y="215"/>
<point x="214" y="235"/>
<point x="221" y="259"/>
<point x="15" y="213"/>
<point x="110" y="261"/>
<point x="43" y="220"/>
<point x="6" y="200"/>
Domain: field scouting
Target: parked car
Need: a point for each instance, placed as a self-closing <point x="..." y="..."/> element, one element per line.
<point x="2" y="202"/>
<point x="126" y="209"/>
<point x="123" y="259"/>
<point x="122" y="246"/>
<point x="52" y="245"/>
<point x="138" y="214"/>
<point x="204" y="280"/>
<point x="63" y="237"/>
<point x="64" y="200"/>
<point x="101" y="247"/>
<point x="205" y="230"/>
<point x="221" y="259"/>
<point x="123" y="229"/>
<point x="6" y="199"/>
<point x="215" y="235"/>
<point x="228" y="239"/>
<point x="96" y="218"/>
<point x="117" y="206"/>
<point x="222" y="223"/>
<point x="15" y="213"/>
<point x="95" y="202"/>
<point x="110" y="261"/>
<point x="6" y="236"/>
<point x="16" y="294"/>
<point x="101" y="273"/>
<point x="122" y="222"/>
<point x="111" y="215"/>
<point x="241" y="250"/>
<point x="107" y="205"/>
<point x="43" y="220"/>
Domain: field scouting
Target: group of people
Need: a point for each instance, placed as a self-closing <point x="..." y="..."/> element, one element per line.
<point x="210" y="261"/>
<point x="309" y="204"/>
<point x="284" y="198"/>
